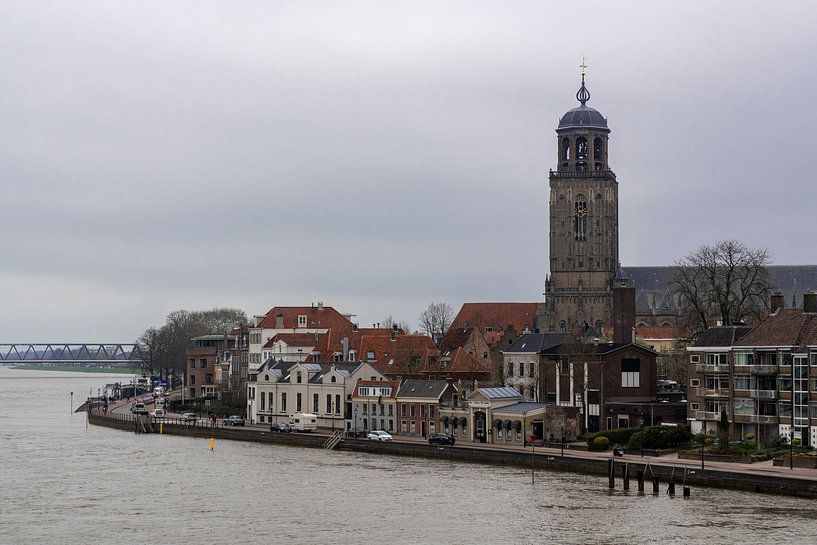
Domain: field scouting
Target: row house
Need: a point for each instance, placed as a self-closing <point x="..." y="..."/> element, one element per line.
<point x="204" y="357"/>
<point x="374" y="405"/>
<point x="761" y="380"/>
<point x="420" y="402"/>
<point x="611" y="385"/>
<point x="279" y="389"/>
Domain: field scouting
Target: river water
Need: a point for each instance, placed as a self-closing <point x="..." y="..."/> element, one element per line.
<point x="61" y="483"/>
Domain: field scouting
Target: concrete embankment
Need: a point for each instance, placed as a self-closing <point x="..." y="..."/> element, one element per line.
<point x="735" y="480"/>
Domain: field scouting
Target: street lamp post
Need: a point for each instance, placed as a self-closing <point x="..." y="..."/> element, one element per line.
<point x="791" y="448"/>
<point x="355" y="420"/>
<point x="72" y="402"/>
<point x="563" y="441"/>
<point x="643" y="415"/>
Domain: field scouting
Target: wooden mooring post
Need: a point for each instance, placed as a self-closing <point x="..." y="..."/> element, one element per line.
<point x="639" y="474"/>
<point x="625" y="475"/>
<point x="611" y="473"/>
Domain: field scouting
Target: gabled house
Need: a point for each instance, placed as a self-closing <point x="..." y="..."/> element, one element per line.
<point x="420" y="402"/>
<point x="279" y="389"/>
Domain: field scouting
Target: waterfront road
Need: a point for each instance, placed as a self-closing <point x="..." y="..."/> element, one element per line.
<point x="570" y="451"/>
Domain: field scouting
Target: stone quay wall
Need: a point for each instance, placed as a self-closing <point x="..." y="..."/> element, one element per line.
<point x="543" y="461"/>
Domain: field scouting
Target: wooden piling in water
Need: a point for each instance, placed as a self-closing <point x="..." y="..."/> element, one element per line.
<point x="640" y="477"/>
<point x="611" y="473"/>
<point x="625" y="475"/>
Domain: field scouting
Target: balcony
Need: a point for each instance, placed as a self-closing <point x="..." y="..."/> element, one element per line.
<point x="582" y="174"/>
<point x="755" y="419"/>
<point x="763" y="394"/>
<point x="763" y="370"/>
<point x="715" y="367"/>
<point x="704" y="415"/>
<point x="722" y="393"/>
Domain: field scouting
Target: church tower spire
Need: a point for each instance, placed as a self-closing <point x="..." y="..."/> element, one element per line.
<point x="583" y="221"/>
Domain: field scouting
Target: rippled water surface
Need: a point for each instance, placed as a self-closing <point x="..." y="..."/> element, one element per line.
<point x="64" y="484"/>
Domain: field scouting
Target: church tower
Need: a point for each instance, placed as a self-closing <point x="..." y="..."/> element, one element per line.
<point x="583" y="223"/>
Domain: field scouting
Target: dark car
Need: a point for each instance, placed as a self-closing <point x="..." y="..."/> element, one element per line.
<point x="280" y="427"/>
<point x="441" y="439"/>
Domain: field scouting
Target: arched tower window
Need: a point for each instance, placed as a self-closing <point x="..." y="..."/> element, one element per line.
<point x="597" y="153"/>
<point x="581" y="153"/>
<point x="581" y="218"/>
<point x="565" y="149"/>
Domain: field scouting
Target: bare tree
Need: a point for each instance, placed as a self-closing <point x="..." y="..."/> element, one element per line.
<point x="435" y="321"/>
<point x="727" y="281"/>
<point x="164" y="348"/>
<point x="388" y="322"/>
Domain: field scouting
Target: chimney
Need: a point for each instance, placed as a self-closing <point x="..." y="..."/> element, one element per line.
<point x="623" y="313"/>
<point x="320" y="305"/>
<point x="394" y="332"/>
<point x="777" y="302"/>
<point x="279" y="321"/>
<point x="810" y="302"/>
<point x="344" y="342"/>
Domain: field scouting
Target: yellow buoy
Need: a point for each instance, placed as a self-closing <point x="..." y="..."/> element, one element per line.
<point x="212" y="443"/>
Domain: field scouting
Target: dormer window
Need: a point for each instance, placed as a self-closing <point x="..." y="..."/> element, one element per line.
<point x="302" y="320"/>
<point x="334" y="378"/>
<point x="370" y="355"/>
<point x="298" y="377"/>
<point x="352" y="355"/>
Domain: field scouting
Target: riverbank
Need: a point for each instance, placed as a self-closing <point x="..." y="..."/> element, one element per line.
<point x="547" y="459"/>
<point x="72" y="369"/>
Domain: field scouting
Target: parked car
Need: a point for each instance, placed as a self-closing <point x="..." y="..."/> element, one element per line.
<point x="280" y="427"/>
<point x="379" y="435"/>
<point x="189" y="417"/>
<point x="157" y="413"/>
<point x="357" y="434"/>
<point x="138" y="408"/>
<point x="441" y="439"/>
<point x="618" y="450"/>
<point x="233" y="421"/>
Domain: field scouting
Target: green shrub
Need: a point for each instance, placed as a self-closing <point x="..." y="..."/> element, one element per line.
<point x="660" y="437"/>
<point x="620" y="436"/>
<point x="599" y="443"/>
<point x="749" y="436"/>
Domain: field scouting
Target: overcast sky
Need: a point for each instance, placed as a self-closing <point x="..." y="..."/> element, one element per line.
<point x="375" y="156"/>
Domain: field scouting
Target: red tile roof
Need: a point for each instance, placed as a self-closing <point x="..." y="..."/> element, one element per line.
<point x="317" y="317"/>
<point x="295" y="339"/>
<point x="497" y="316"/>
<point x="650" y="332"/>
<point x="787" y="327"/>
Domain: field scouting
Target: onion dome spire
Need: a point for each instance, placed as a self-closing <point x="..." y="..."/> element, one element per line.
<point x="583" y="95"/>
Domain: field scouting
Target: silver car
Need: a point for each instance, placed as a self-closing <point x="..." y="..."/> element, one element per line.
<point x="379" y="435"/>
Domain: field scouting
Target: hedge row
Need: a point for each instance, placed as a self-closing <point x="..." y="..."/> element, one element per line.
<point x="619" y="436"/>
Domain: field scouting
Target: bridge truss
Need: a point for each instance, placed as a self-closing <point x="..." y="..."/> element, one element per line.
<point x="87" y="354"/>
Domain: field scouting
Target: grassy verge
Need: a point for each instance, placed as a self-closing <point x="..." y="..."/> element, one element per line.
<point x="116" y="370"/>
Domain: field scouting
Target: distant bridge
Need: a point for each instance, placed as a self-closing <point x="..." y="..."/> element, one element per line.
<point x="82" y="354"/>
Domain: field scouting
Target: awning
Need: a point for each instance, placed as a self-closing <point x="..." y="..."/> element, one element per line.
<point x="463" y="421"/>
<point x="497" y="423"/>
<point x="444" y="419"/>
<point x="517" y="424"/>
<point x="506" y="424"/>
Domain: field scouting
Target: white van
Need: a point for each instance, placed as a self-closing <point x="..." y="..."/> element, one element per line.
<point x="158" y="391"/>
<point x="303" y="422"/>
